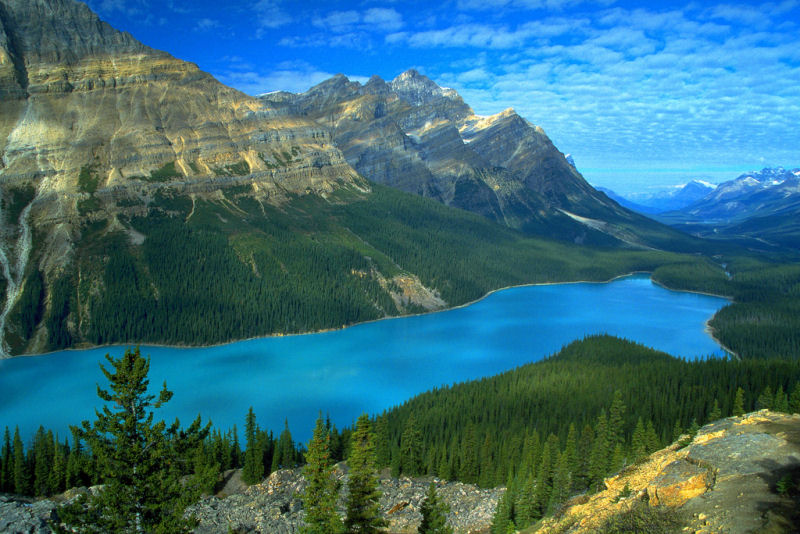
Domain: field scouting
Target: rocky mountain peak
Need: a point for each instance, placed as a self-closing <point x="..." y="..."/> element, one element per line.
<point x="418" y="89"/>
<point x="62" y="31"/>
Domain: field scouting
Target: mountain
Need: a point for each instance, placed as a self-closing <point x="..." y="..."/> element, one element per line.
<point x="413" y="135"/>
<point x="758" y="206"/>
<point x="672" y="199"/>
<point x="143" y="201"/>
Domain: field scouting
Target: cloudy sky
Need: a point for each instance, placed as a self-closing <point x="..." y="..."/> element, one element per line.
<point x="642" y="97"/>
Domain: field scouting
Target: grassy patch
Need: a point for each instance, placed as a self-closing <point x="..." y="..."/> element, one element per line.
<point x="88" y="179"/>
<point x="165" y="173"/>
<point x="15" y="201"/>
<point x="241" y="168"/>
<point x="645" y="518"/>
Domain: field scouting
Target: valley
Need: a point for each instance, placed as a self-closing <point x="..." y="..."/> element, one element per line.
<point x="412" y="289"/>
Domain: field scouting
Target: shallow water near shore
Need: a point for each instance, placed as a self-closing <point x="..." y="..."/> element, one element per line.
<point x="364" y="368"/>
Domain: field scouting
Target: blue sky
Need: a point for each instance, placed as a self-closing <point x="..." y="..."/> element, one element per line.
<point x="642" y="94"/>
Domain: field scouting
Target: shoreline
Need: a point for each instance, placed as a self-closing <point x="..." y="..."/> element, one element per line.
<point x="707" y="328"/>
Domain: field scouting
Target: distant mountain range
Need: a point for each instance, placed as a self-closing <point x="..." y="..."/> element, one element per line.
<point x="413" y="135"/>
<point x="759" y="206"/>
<point x="672" y="199"/>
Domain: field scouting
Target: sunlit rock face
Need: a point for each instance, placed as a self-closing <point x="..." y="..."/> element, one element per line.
<point x="424" y="139"/>
<point x="78" y="93"/>
<point x="94" y="124"/>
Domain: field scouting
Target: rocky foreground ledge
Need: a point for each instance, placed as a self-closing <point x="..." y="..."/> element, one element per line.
<point x="737" y="475"/>
<point x="275" y="506"/>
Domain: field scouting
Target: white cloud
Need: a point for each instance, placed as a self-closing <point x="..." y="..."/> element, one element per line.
<point x="270" y="15"/>
<point x="207" y="24"/>
<point x="293" y="76"/>
<point x="383" y="19"/>
<point x="378" y="19"/>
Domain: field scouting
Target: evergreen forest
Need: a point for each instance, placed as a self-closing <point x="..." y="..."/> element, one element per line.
<point x="546" y="430"/>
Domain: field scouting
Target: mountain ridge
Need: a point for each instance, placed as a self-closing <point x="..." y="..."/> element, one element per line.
<point x="411" y="134"/>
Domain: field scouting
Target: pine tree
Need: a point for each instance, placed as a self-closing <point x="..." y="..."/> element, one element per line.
<point x="434" y="514"/>
<point x="561" y="483"/>
<point x="781" y="402"/>
<point x="599" y="457"/>
<point x="469" y="456"/>
<point x="383" y="454"/>
<point x="715" y="412"/>
<point x="253" y="469"/>
<point x="585" y="446"/>
<point x="544" y="486"/>
<point x="766" y="399"/>
<point x="677" y="430"/>
<point x="59" y="474"/>
<point x="363" y="514"/>
<point x="794" y="399"/>
<point x="738" y="402"/>
<point x="319" y="498"/>
<point x="503" y="520"/>
<point x="21" y="475"/>
<point x="411" y="448"/>
<point x="616" y="421"/>
<point x="7" y="466"/>
<point x="651" y="438"/>
<point x="639" y="441"/>
<point x="75" y="475"/>
<point x="284" y="456"/>
<point x="236" y="450"/>
<point x="135" y="457"/>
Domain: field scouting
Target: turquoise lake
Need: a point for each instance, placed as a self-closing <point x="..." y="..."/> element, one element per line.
<point x="364" y="368"/>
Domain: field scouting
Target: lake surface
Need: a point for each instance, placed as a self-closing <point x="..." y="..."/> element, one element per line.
<point x="364" y="368"/>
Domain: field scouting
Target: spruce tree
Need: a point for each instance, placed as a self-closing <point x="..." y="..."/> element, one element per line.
<point x="7" y="466"/>
<point x="715" y="412"/>
<point x="616" y="421"/>
<point x="639" y="441"/>
<point x="738" y="402"/>
<point x="600" y="455"/>
<point x="284" y="456"/>
<point x="651" y="438"/>
<point x="383" y="451"/>
<point x="411" y="448"/>
<point x="766" y="399"/>
<point x="503" y="520"/>
<point x="781" y="403"/>
<point x="362" y="512"/>
<point x="253" y="469"/>
<point x="21" y="475"/>
<point x="794" y="399"/>
<point x="434" y="514"/>
<point x="561" y="483"/>
<point x="319" y="497"/>
<point x="135" y="457"/>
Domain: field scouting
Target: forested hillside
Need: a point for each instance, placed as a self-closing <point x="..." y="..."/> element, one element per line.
<point x="197" y="271"/>
<point x="557" y="427"/>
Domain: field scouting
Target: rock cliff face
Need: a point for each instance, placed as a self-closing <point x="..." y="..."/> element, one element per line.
<point x="737" y="475"/>
<point x="414" y="135"/>
<point x="92" y="122"/>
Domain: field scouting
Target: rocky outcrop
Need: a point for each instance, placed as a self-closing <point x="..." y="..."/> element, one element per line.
<point x="30" y="517"/>
<point x="726" y="479"/>
<point x="275" y="505"/>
